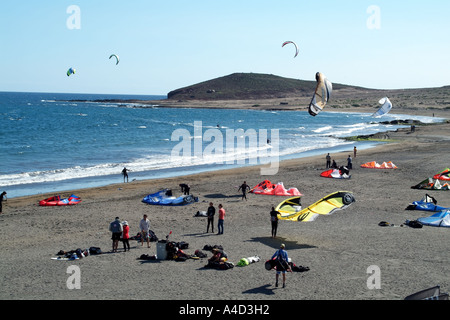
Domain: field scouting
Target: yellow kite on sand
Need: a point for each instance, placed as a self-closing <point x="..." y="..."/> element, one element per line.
<point x="290" y="209"/>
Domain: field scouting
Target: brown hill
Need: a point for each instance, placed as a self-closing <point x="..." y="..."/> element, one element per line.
<point x="248" y="86"/>
<point x="292" y="93"/>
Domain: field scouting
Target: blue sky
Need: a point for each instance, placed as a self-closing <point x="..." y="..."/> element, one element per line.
<point x="165" y="45"/>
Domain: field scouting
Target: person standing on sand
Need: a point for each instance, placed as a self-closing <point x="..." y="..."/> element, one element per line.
<point x="349" y="162"/>
<point x="210" y="213"/>
<point x="221" y="219"/>
<point x="116" y="229"/>
<point x="282" y="264"/>
<point x="126" y="236"/>
<point x="244" y="188"/>
<point x="274" y="220"/>
<point x="328" y="161"/>
<point x="354" y="152"/>
<point x="2" y="198"/>
<point x="144" y="226"/>
<point x="125" y="174"/>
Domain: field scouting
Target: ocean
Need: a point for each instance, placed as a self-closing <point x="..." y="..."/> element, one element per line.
<point x="51" y="143"/>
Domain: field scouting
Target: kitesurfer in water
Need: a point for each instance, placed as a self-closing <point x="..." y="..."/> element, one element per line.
<point x="274" y="220"/>
<point x="244" y="188"/>
<point x="282" y="264"/>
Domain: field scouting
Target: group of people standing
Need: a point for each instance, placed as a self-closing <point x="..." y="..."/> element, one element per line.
<point x="210" y="216"/>
<point x="121" y="232"/>
<point x="333" y="164"/>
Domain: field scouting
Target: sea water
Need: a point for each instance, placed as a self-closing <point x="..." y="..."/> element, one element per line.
<point x="56" y="142"/>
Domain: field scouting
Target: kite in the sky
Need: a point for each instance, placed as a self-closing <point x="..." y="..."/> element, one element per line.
<point x="70" y="71"/>
<point x="291" y="42"/>
<point x="385" y="108"/>
<point x="321" y="95"/>
<point x="116" y="56"/>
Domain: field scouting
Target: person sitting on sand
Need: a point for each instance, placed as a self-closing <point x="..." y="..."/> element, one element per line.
<point x="334" y="165"/>
<point x="218" y="256"/>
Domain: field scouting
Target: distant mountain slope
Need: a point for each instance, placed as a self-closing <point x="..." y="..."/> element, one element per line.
<point x="248" y="86"/>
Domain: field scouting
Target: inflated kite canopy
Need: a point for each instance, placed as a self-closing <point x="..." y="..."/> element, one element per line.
<point x="335" y="174"/>
<point x="268" y="188"/>
<point x="321" y="95"/>
<point x="293" y="43"/>
<point x="70" y="71"/>
<point x="428" y="203"/>
<point x="443" y="175"/>
<point x="440" y="219"/>
<point x="58" y="201"/>
<point x="164" y="198"/>
<point x="376" y="165"/>
<point x="115" y="56"/>
<point x="386" y="106"/>
<point x="291" y="209"/>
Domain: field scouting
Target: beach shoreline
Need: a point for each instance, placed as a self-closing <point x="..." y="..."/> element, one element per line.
<point x="278" y="104"/>
<point x="338" y="249"/>
<point x="388" y="137"/>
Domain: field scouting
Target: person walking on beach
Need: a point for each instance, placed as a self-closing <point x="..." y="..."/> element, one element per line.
<point x="274" y="221"/>
<point x="116" y="229"/>
<point x="244" y="188"/>
<point x="125" y="174"/>
<point x="354" y="152"/>
<point x="282" y="264"/>
<point x="144" y="226"/>
<point x="328" y="161"/>
<point x="126" y="236"/>
<point x="221" y="219"/>
<point x="210" y="213"/>
<point x="2" y="198"/>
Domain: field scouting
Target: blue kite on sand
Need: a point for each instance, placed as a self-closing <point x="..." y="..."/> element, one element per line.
<point x="164" y="198"/>
<point x="440" y="219"/>
<point x="428" y="203"/>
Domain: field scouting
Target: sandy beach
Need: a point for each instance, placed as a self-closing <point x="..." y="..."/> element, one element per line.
<point x="339" y="249"/>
